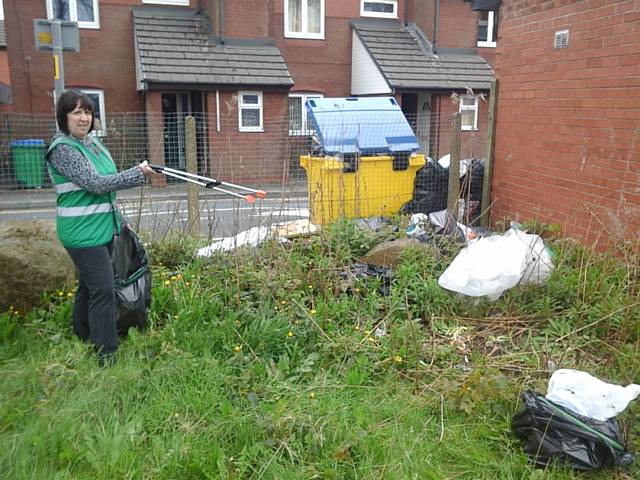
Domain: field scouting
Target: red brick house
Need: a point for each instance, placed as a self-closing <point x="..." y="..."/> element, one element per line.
<point x="568" y="118"/>
<point x="248" y="66"/>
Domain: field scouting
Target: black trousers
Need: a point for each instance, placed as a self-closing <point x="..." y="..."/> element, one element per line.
<point x="94" y="309"/>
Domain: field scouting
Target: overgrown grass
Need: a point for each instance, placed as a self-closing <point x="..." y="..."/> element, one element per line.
<point x="268" y="363"/>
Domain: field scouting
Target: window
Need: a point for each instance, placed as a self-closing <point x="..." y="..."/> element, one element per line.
<point x="469" y="111"/>
<point x="85" y="12"/>
<point x="250" y="111"/>
<point x="298" y="116"/>
<point x="1" y="11"/>
<point x="184" y="3"/>
<point x="304" y="18"/>
<point x="488" y="29"/>
<point x="379" y="8"/>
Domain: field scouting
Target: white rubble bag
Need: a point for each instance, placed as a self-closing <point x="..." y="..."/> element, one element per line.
<point x="589" y="396"/>
<point x="490" y="265"/>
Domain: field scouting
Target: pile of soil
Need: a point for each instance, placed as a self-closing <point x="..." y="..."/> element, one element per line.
<point x="33" y="262"/>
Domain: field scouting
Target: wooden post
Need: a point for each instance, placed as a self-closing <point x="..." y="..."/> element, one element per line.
<point x="193" y="202"/>
<point x="488" y="156"/>
<point x="454" y="166"/>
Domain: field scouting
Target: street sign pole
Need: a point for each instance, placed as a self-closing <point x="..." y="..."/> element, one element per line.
<point x="56" y="36"/>
<point x="58" y="63"/>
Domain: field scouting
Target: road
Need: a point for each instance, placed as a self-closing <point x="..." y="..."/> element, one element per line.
<point x="219" y="217"/>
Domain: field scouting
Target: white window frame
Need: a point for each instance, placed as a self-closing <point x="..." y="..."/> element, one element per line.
<point x="241" y="106"/>
<point x="73" y="14"/>
<point x="304" y="96"/>
<point x="364" y="13"/>
<point x="474" y="108"/>
<point x="490" y="41"/>
<point x="1" y="10"/>
<point x="102" y="132"/>
<point x="304" y="33"/>
<point x="182" y="3"/>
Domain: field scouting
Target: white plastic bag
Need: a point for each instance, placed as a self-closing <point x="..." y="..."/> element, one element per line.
<point x="490" y="265"/>
<point x="586" y="395"/>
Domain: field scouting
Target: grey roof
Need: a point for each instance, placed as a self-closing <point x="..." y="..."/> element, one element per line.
<point x="3" y="35"/>
<point x="176" y="45"/>
<point x="405" y="57"/>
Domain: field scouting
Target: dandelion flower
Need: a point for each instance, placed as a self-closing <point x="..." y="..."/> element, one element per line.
<point x="237" y="348"/>
<point x="283" y="302"/>
<point x="313" y="311"/>
<point x="187" y="283"/>
<point x="357" y="289"/>
<point x="357" y="327"/>
<point x="310" y="287"/>
<point x="290" y="334"/>
<point x="70" y="294"/>
<point x="174" y="278"/>
<point x="167" y="282"/>
<point x="11" y="308"/>
<point x="312" y="395"/>
<point x="61" y="293"/>
<point x="179" y="276"/>
<point x="397" y="359"/>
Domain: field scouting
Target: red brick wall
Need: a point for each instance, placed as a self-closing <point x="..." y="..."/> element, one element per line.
<point x="105" y="60"/>
<point x="247" y="18"/>
<point x="458" y="25"/>
<point x="250" y="157"/>
<point x="568" y="129"/>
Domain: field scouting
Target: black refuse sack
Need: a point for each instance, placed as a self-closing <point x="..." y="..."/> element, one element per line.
<point x="132" y="280"/>
<point x="430" y="189"/>
<point x="550" y="433"/>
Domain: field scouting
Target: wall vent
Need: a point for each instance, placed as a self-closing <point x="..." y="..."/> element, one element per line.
<point x="561" y="39"/>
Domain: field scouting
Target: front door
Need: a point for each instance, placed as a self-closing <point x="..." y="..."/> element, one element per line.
<point x="175" y="107"/>
<point x="423" y="121"/>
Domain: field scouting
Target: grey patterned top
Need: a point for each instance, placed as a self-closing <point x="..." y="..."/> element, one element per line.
<point x="70" y="163"/>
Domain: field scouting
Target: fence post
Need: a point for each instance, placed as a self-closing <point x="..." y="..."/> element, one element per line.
<point x="454" y="166"/>
<point x="193" y="202"/>
<point x="488" y="156"/>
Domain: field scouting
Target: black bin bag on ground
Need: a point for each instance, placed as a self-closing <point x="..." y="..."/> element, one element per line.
<point x="551" y="433"/>
<point x="132" y="280"/>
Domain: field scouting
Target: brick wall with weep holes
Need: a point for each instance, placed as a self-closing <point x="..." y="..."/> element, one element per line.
<point x="568" y="130"/>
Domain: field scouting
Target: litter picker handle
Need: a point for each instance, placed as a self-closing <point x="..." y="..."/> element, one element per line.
<point x="213" y="181"/>
<point x="210" y="185"/>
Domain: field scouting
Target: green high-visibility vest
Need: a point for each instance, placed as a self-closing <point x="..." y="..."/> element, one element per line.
<point x="84" y="219"/>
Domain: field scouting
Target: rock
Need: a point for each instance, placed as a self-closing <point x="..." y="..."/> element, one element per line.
<point x="387" y="254"/>
<point x="33" y="262"/>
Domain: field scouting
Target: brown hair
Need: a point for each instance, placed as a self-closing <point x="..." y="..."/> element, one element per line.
<point x="68" y="102"/>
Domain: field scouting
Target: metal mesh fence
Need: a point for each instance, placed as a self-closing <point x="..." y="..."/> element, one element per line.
<point x="352" y="170"/>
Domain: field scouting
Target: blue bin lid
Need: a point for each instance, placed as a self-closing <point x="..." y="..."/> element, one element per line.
<point x="34" y="142"/>
<point x="368" y="125"/>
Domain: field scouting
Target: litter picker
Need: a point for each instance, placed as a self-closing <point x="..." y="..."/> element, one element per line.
<point x="211" y="183"/>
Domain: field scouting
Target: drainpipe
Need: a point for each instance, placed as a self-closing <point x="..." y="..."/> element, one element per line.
<point x="436" y="15"/>
<point x="405" y="13"/>
<point x="221" y="20"/>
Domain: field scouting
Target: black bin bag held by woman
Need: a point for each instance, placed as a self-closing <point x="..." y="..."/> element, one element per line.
<point x="132" y="280"/>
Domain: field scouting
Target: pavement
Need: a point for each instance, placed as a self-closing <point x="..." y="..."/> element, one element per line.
<point x="30" y="199"/>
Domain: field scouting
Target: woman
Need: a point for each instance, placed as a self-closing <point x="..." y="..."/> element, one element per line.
<point x="85" y="179"/>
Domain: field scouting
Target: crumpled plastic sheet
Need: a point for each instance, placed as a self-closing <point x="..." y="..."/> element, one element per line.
<point x="589" y="396"/>
<point x="490" y="265"/>
<point x="551" y="433"/>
